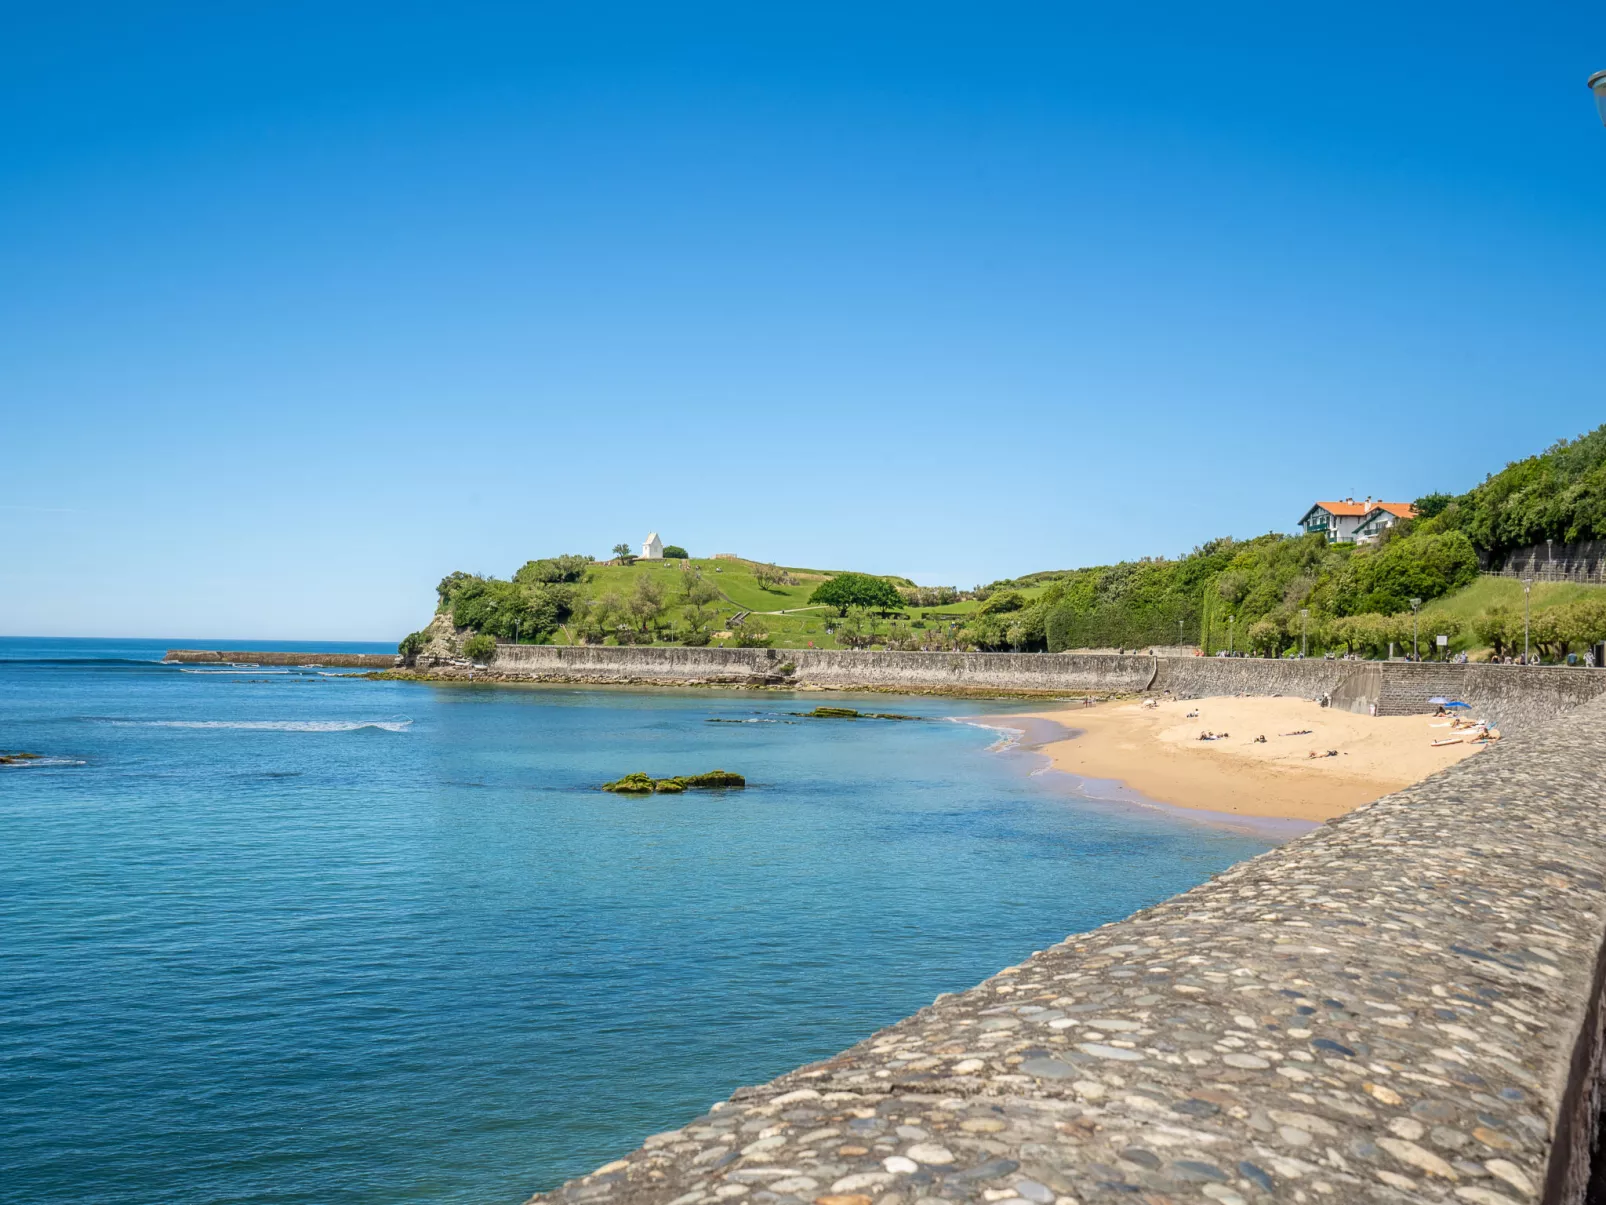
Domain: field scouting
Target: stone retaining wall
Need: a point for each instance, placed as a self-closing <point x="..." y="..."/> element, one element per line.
<point x="1399" y="1007"/>
<point x="1504" y="694"/>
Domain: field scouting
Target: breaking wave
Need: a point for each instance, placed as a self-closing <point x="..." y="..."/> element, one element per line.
<point x="388" y="724"/>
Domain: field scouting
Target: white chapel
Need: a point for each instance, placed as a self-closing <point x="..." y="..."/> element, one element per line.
<point x="653" y="548"/>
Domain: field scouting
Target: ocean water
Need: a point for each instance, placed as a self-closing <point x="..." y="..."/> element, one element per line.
<point x="291" y="937"/>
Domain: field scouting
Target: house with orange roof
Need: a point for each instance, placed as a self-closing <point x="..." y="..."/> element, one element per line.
<point x="1380" y="518"/>
<point x="1350" y="522"/>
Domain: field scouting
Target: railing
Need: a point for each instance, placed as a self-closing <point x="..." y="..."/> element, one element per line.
<point x="1557" y="571"/>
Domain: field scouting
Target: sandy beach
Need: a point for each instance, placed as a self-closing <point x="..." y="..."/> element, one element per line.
<point x="1156" y="751"/>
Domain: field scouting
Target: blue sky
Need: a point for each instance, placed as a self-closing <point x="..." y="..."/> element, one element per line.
<point x="307" y="305"/>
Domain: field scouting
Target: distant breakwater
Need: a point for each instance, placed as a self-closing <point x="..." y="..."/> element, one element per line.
<point x="1504" y="694"/>
<point x="249" y="657"/>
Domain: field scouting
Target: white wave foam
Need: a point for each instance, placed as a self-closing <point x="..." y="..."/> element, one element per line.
<point x="235" y="670"/>
<point x="393" y="724"/>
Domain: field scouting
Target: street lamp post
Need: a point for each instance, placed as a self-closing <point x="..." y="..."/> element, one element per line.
<point x="1597" y="85"/>
<point x="1415" y="603"/>
<point x="1231" y="619"/>
<point x="1304" y="615"/>
<point x="1527" y="589"/>
<point x="1179" y="633"/>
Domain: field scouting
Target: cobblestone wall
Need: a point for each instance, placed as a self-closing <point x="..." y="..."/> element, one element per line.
<point x="1400" y="1007"/>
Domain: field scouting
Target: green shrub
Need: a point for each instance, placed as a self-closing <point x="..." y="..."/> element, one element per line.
<point x="1000" y="604"/>
<point x="480" y="648"/>
<point x="674" y="552"/>
<point x="412" y="644"/>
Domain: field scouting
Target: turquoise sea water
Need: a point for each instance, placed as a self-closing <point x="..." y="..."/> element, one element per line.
<point x="278" y="936"/>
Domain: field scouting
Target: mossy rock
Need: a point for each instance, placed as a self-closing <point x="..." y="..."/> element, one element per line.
<point x="632" y="784"/>
<point x="848" y="713"/>
<point x="644" y="784"/>
<point x="713" y="780"/>
<point x="17" y="759"/>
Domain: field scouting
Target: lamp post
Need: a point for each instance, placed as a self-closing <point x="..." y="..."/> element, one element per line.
<point x="1415" y="603"/>
<point x="1231" y="619"/>
<point x="1597" y="85"/>
<point x="1527" y="589"/>
<point x="1304" y="615"/>
<point x="1179" y="633"/>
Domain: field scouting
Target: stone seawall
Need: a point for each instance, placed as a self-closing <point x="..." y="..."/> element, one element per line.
<point x="247" y="657"/>
<point x="1403" y="1006"/>
<point x="1504" y="694"/>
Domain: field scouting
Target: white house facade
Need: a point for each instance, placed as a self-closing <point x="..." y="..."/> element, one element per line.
<point x="1380" y="518"/>
<point x="1349" y="522"/>
<point x="653" y="548"/>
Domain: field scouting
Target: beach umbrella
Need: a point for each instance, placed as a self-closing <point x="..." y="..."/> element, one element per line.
<point x="1468" y="706"/>
<point x="1439" y="699"/>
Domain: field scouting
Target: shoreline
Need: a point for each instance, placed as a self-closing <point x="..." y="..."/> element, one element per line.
<point x="1029" y="743"/>
<point x="1151" y="750"/>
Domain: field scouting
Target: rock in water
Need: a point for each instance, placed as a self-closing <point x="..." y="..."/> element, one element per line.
<point x="714" y="779"/>
<point x="645" y="784"/>
<point x="632" y="784"/>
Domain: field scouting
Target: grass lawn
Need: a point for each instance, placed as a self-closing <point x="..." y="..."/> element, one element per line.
<point x="784" y="611"/>
<point x="1486" y="592"/>
<point x="1489" y="592"/>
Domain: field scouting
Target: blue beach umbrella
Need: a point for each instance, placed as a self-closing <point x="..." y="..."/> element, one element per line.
<point x="1439" y="699"/>
<point x="1468" y="706"/>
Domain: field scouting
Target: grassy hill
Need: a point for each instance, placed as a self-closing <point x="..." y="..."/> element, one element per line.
<point x="721" y="601"/>
<point x="1260" y="595"/>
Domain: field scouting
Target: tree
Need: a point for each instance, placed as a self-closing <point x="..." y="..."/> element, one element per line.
<point x="450" y="584"/>
<point x="646" y="603"/>
<point x="411" y="645"/>
<point x="857" y="590"/>
<point x="1495" y="627"/>
<point x="699" y="594"/>
<point x="569" y="567"/>
<point x="480" y="648"/>
<point x="674" y="552"/>
<point x="1430" y="505"/>
<point x="1582" y="623"/>
<point x="623" y="552"/>
<point x="1265" y="634"/>
<point x="773" y="577"/>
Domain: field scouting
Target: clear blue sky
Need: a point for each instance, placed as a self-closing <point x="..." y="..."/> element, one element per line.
<point x="305" y="305"/>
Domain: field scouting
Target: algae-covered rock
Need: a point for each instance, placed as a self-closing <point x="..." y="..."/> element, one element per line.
<point x="644" y="784"/>
<point x="713" y="780"/>
<point x="632" y="784"/>
<point x="17" y="759"/>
